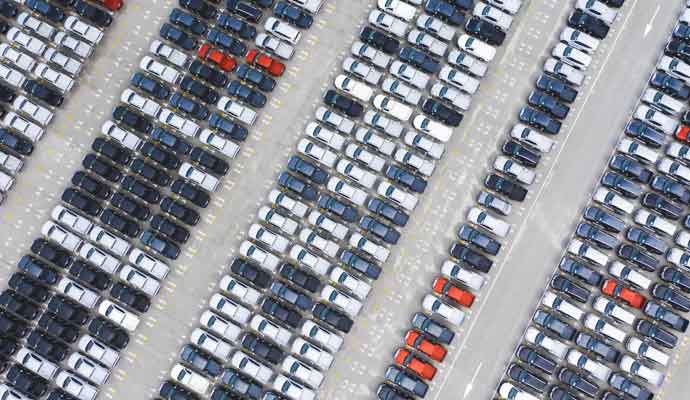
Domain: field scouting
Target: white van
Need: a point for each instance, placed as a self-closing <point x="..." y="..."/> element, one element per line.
<point x="6" y="182"/>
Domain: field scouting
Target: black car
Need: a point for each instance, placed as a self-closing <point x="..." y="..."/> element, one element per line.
<point x="38" y="270"/>
<point x="42" y="7"/>
<point x="558" y="393"/>
<point x="299" y="277"/>
<point x="485" y="30"/>
<point x="384" y="232"/>
<point x="522" y="154"/>
<point x="473" y="258"/>
<point x="161" y="245"/>
<point x="293" y="14"/>
<point x="7" y="94"/>
<point x="51" y="252"/>
<point x="262" y="348"/>
<point x="256" y="275"/>
<point x="638" y="256"/>
<point x="343" y="103"/>
<point x="233" y="46"/>
<point x="588" y="24"/>
<point x="171" y="391"/>
<point x="656" y="333"/>
<point x="201" y="91"/>
<point x="26" y="381"/>
<point x="629" y="387"/>
<point x="130" y="207"/>
<point x="433" y="329"/>
<point x="113" y="151"/>
<point x="58" y="328"/>
<point x="332" y="317"/>
<point x="180" y="211"/>
<point x="108" y="333"/>
<point x="28" y="287"/>
<point x="406" y="380"/>
<point x="597" y="236"/>
<point x="292" y="296"/>
<point x="46" y="346"/>
<point x="539" y="120"/>
<point x="665" y="315"/>
<point x="659" y="203"/>
<point x="150" y="172"/>
<point x="554" y="324"/>
<point x="245" y="10"/>
<point x="531" y="357"/>
<point x="505" y="186"/>
<point x="360" y="264"/>
<point x="441" y="112"/>
<point x="201" y="361"/>
<point x="131" y="119"/>
<point x="406" y="178"/>
<point x="578" y="382"/>
<point x="101" y="167"/>
<point x="164" y="158"/>
<point x="82" y="202"/>
<point x="208" y="74"/>
<point x="678" y="48"/>
<point x="345" y="211"/>
<point x="120" y="223"/>
<point x="190" y="192"/>
<point x="89" y="275"/>
<point x="565" y="285"/>
<point x="604" y="218"/>
<point x="677" y="277"/>
<point x="386" y="391"/>
<point x="209" y="162"/>
<point x="246" y="94"/>
<point x="647" y="240"/>
<point x="91" y="186"/>
<point x="281" y="313"/>
<point x="597" y="346"/>
<point x="581" y="271"/>
<point x="237" y="385"/>
<point x="445" y="11"/>
<point x="236" y="25"/>
<point x="68" y="310"/>
<point x="8" y="347"/>
<point x="297" y="185"/>
<point x="200" y="8"/>
<point x="419" y="59"/>
<point x="391" y="213"/>
<point x="670" y="85"/>
<point x="8" y="8"/>
<point x="379" y="40"/>
<point x="621" y="184"/>
<point x="524" y="377"/>
<point x="628" y="166"/>
<point x="151" y="86"/>
<point x="10" y="326"/>
<point x="556" y="87"/>
<point x="473" y="236"/>
<point x="16" y="142"/>
<point x="189" y="106"/>
<point x="43" y="92"/>
<point x="130" y="297"/>
<point x="171" y="141"/>
<point x="672" y="188"/>
<point x="308" y="170"/>
<point x="227" y="127"/>
<point x="188" y="21"/>
<point x="256" y="77"/>
<point x="548" y="103"/>
<point x="674" y="298"/>
<point x="93" y="14"/>
<point x="169" y="228"/>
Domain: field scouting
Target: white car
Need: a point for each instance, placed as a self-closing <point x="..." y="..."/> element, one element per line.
<point x="285" y="224"/>
<point x="201" y="178"/>
<point x="61" y="236"/>
<point x="638" y="150"/>
<point x="99" y="258"/>
<point x="494" y="225"/>
<point x="359" y="175"/>
<point x="511" y="168"/>
<point x="435" y="26"/>
<point x="626" y="273"/>
<point x="392" y="107"/>
<point x="539" y="338"/>
<point x="35" y="363"/>
<point x="675" y="67"/>
<point x="98" y="351"/>
<point x="320" y="358"/>
<point x="31" y="130"/>
<point x="674" y="169"/>
<point x="160" y="70"/>
<point x="561" y="304"/>
<point x="301" y="371"/>
<point x="192" y="380"/>
<point x="332" y="118"/>
<point x="76" y="46"/>
<point x="354" y="87"/>
<point x="511" y="6"/>
<point x="682" y="239"/>
<point x="30" y="43"/>
<point x="313" y="6"/>
<point x="118" y="315"/>
<point x="125" y="138"/>
<point x="369" y="159"/>
<point x="283" y="30"/>
<point x="370" y="54"/>
<point x="388" y="23"/>
<point x="77" y="292"/>
<point x="463" y="275"/>
<point x="71" y="219"/>
<point x="579" y="40"/>
<point x="325" y="136"/>
<point x="372" y="138"/>
<point x="579" y="248"/>
<point x="10" y="163"/>
<point x="228" y="330"/>
<point x="476" y="47"/>
<point x="16" y="57"/>
<point x="467" y="62"/>
<point x="427" y="42"/>
<point x="653" y="221"/>
<point x="109" y="241"/>
<point x="141" y="103"/>
<point x="451" y="95"/>
<point x="292" y="389"/>
<point x="273" y="241"/>
<point x="210" y="343"/>
<point x="265" y="259"/>
<point x="37" y="112"/>
<point x="377" y="251"/>
<point x="230" y="308"/>
<point x="283" y="200"/>
<point x="322" y="336"/>
<point x="429" y="147"/>
<point x="435" y="306"/>
<point x="598" y="9"/>
<point x="349" y="304"/>
<point x="274" y="45"/>
<point x="90" y="33"/>
<point x="613" y="200"/>
<point x="169" y="53"/>
<point x="647" y="351"/>
<point x="663" y="102"/>
<point x="423" y="166"/>
<point x="432" y="128"/>
<point x="56" y="78"/>
<point x="401" y="90"/>
<point x="238" y="111"/>
<point x="149" y="264"/>
<point x="609" y="308"/>
<point x="227" y="147"/>
<point x="493" y="15"/>
<point x="362" y="70"/>
<point x="595" y="368"/>
<point x="184" y="125"/>
<point x="656" y="118"/>
<point x="315" y="263"/>
<point x="320" y="220"/>
<point x="69" y="64"/>
<point x="398" y="8"/>
<point x="409" y="74"/>
<point x="508" y="391"/>
<point x="250" y="367"/>
<point x="78" y="388"/>
<point x="678" y="258"/>
<point x="535" y="139"/>
<point x="355" y="285"/>
<point x="407" y="200"/>
<point x="572" y="56"/>
<point x="139" y="280"/>
<point x="564" y="71"/>
<point x="678" y="151"/>
<point x="636" y="368"/>
<point x="12" y="76"/>
<point x="599" y="325"/>
<point x="381" y="122"/>
<point x="88" y="369"/>
<point x="272" y="331"/>
<point x="317" y="153"/>
<point x="313" y="239"/>
<point x="35" y="25"/>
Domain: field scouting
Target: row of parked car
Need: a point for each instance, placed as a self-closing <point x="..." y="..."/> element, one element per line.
<point x="611" y="295"/>
<point x="41" y="57"/>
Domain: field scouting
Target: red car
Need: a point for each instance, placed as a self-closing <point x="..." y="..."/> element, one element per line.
<point x="445" y="287"/>
<point x="615" y="289"/>
<point x="224" y="61"/>
<point x="405" y="358"/>
<point x="273" y="66"/>
<point x="112" y="5"/>
<point x="682" y="132"/>
<point x="417" y="341"/>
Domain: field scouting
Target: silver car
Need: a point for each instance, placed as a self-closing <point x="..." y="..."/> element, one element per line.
<point x="334" y="119"/>
<point x="388" y="23"/>
<point x="579" y="40"/>
<point x="275" y="46"/>
<point x="88" y="369"/>
<point x="409" y="74"/>
<point x="402" y="91"/>
<point x="427" y="42"/>
<point x="451" y="95"/>
<point x="362" y="70"/>
<point x="436" y="27"/>
<point x="382" y="122"/>
<point x="372" y="138"/>
<point x="370" y="54"/>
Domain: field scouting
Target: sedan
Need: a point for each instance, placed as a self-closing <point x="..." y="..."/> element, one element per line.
<point x="160" y="245"/>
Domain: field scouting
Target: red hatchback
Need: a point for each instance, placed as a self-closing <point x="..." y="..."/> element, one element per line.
<point x="224" y="61"/>
<point x="682" y="133"/>
<point x="273" y="66"/>
<point x="405" y="358"/>
<point x="112" y="5"/>
<point x="417" y="341"/>
<point x="616" y="290"/>
<point x="445" y="287"/>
